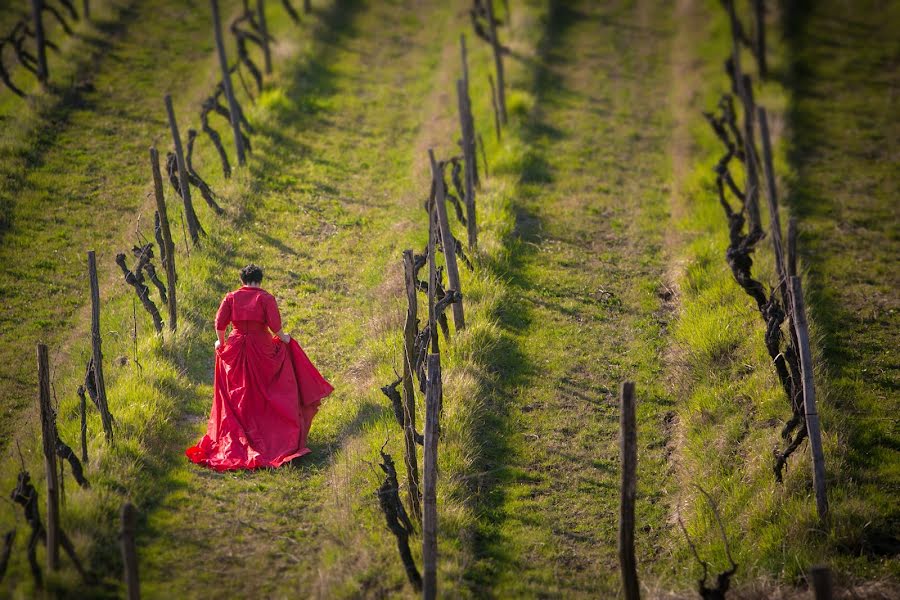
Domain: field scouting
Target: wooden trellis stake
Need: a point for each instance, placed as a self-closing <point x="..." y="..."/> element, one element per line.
<point x="169" y="253"/>
<point x="264" y="33"/>
<point x="48" y="436"/>
<point x="628" y="491"/>
<point x="183" y="178"/>
<point x="233" y="110"/>
<point x="772" y="195"/>
<point x="97" y="354"/>
<point x="432" y="276"/>
<point x="447" y="240"/>
<point x="470" y="120"/>
<point x="429" y="521"/>
<point x="498" y="61"/>
<point x="37" y="9"/>
<point x="129" y="551"/>
<point x="409" y="398"/>
<point x="813" y="428"/>
<point x="468" y="147"/>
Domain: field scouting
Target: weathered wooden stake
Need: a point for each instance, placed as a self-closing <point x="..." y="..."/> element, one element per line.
<point x="409" y="398"/>
<point x="48" y="435"/>
<point x="37" y="8"/>
<point x="95" y="346"/>
<point x="809" y="398"/>
<point x="772" y="195"/>
<point x="498" y="61"/>
<point x="233" y="110"/>
<point x="183" y="178"/>
<point x="468" y="147"/>
<point x="129" y="551"/>
<point x="759" y="9"/>
<point x="432" y="276"/>
<point x="495" y="107"/>
<point x="821" y="582"/>
<point x="628" y="491"/>
<point x="86" y="9"/>
<point x="447" y="240"/>
<point x="432" y="430"/>
<point x="82" y="406"/>
<point x="261" y="14"/>
<point x="745" y="93"/>
<point x="792" y="247"/>
<point x="169" y="262"/>
<point x="470" y="118"/>
<point x="307" y="6"/>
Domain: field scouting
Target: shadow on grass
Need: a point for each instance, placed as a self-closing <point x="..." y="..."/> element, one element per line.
<point x="513" y="370"/>
<point x="854" y="345"/>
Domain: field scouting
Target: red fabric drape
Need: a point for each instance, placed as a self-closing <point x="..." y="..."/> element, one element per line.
<point x="266" y="395"/>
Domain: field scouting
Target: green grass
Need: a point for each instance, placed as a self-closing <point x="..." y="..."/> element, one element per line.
<point x="579" y="243"/>
<point x="733" y="407"/>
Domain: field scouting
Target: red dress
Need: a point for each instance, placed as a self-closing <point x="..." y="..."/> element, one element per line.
<point x="266" y="391"/>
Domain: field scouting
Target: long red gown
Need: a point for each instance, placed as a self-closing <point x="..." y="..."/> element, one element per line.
<point x="266" y="391"/>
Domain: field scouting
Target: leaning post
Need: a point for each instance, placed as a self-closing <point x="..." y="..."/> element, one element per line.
<point x="409" y="398"/>
<point x="813" y="428"/>
<point x="37" y="9"/>
<point x="429" y="521"/>
<point x="233" y="110"/>
<point x="264" y="33"/>
<point x="447" y="240"/>
<point x="628" y="491"/>
<point x="183" y="178"/>
<point x="167" y="238"/>
<point x="48" y="436"/>
<point x="498" y="61"/>
<point x="97" y="354"/>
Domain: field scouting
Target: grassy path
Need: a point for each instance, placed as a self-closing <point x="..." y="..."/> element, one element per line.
<point x="74" y="173"/>
<point x="586" y="314"/>
<point x="334" y="183"/>
<point x="844" y="133"/>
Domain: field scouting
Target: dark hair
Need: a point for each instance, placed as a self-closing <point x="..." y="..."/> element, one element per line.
<point x="251" y="274"/>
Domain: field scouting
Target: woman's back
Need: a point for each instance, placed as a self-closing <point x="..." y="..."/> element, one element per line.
<point x="248" y="304"/>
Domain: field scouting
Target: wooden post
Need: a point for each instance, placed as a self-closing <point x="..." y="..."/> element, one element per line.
<point x="809" y="398"/>
<point x="129" y="551"/>
<point x="447" y="240"/>
<point x="261" y="14"/>
<point x="745" y="93"/>
<point x="432" y="276"/>
<point x="86" y="9"/>
<point x="95" y="345"/>
<point x="468" y="147"/>
<point x="821" y="582"/>
<point x="48" y="435"/>
<point x="169" y="253"/>
<point x="496" y="108"/>
<point x="429" y="526"/>
<point x="82" y="405"/>
<point x="307" y="6"/>
<point x="470" y="119"/>
<point x="751" y="164"/>
<point x="772" y="195"/>
<point x="792" y="247"/>
<point x="37" y="8"/>
<point x="233" y="110"/>
<point x="628" y="491"/>
<point x="183" y="179"/>
<point x="409" y="397"/>
<point x="759" y="7"/>
<point x="498" y="61"/>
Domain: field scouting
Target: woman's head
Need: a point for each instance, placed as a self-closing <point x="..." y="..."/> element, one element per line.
<point x="251" y="275"/>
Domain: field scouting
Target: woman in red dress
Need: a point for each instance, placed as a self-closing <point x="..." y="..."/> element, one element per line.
<point x="266" y="389"/>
